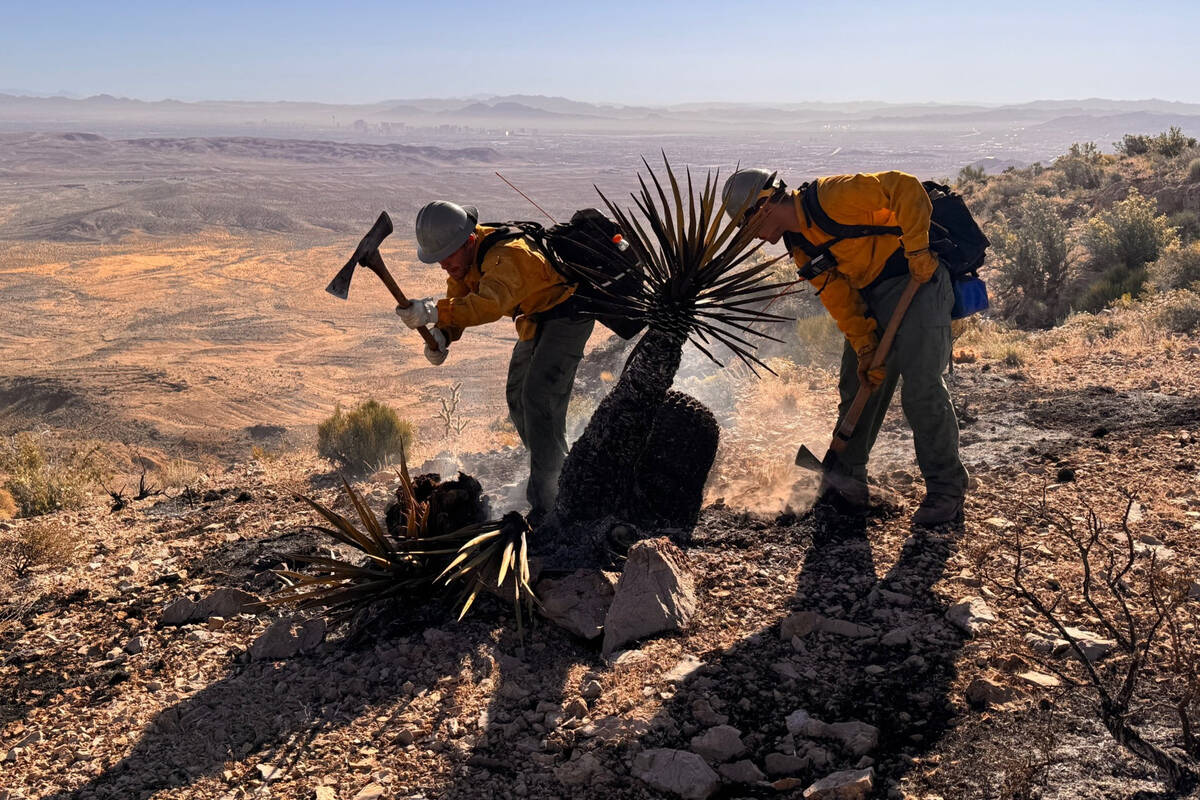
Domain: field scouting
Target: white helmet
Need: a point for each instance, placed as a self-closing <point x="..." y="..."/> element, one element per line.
<point x="744" y="188"/>
<point x="442" y="228"/>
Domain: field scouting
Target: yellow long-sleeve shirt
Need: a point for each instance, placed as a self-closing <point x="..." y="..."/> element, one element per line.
<point x="893" y="199"/>
<point x="515" y="281"/>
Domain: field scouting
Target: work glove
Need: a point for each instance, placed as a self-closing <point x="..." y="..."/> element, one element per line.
<point x="437" y="355"/>
<point x="419" y="313"/>
<point x="922" y="264"/>
<point x="866" y="376"/>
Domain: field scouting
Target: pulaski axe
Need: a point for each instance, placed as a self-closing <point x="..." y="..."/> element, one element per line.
<point x="367" y="255"/>
<point x="845" y="428"/>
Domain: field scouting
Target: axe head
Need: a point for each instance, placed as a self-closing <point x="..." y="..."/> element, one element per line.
<point x="340" y="285"/>
<point x="807" y="459"/>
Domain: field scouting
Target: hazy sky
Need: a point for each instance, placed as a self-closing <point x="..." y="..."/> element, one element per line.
<point x="612" y="51"/>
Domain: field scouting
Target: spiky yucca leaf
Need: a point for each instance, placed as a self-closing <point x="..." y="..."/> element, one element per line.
<point x="697" y="282"/>
<point x="494" y="551"/>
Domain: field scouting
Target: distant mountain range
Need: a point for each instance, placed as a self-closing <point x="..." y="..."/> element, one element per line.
<point x="523" y="112"/>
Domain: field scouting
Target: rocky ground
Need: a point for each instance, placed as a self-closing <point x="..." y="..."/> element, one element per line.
<point x="867" y="657"/>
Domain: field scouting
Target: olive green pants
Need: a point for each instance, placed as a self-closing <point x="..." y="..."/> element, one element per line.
<point x="918" y="357"/>
<point x="540" y="376"/>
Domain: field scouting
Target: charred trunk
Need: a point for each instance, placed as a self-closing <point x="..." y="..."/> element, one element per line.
<point x="599" y="473"/>
<point x="668" y="490"/>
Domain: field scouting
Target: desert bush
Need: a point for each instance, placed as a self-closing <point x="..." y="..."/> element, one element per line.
<point x="39" y="482"/>
<point x="1133" y="144"/>
<point x="1178" y="267"/>
<point x="369" y="435"/>
<point x="35" y="545"/>
<point x="1193" y="170"/>
<point x="970" y="174"/>
<point x="1187" y="223"/>
<point x="1179" y="312"/>
<point x="1172" y="142"/>
<point x="1032" y="260"/>
<point x="819" y="342"/>
<point x="1121" y="241"/>
<point x="1082" y="166"/>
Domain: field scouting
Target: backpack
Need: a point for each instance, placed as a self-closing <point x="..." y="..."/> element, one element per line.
<point x="590" y="254"/>
<point x="954" y="236"/>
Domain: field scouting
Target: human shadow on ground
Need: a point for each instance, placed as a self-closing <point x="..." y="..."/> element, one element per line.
<point x="879" y="651"/>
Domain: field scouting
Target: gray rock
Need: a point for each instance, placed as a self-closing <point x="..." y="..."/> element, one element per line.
<point x="983" y="692"/>
<point x="741" y="772"/>
<point x="225" y="603"/>
<point x="655" y="594"/>
<point x="179" y="612"/>
<point x="591" y="690"/>
<point x="583" y="771"/>
<point x="783" y="765"/>
<point x="372" y="791"/>
<point x="676" y="772"/>
<point x="803" y="623"/>
<point x="135" y="646"/>
<point x="684" y="669"/>
<point x="971" y="615"/>
<point x="850" y="784"/>
<point x="703" y="711"/>
<point x="1094" y="646"/>
<point x="719" y="744"/>
<point x="897" y="638"/>
<point x="287" y="637"/>
<point x="577" y="603"/>
<point x="857" y="738"/>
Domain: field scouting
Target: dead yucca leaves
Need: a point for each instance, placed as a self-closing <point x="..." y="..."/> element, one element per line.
<point x="395" y="569"/>
<point x="495" y="551"/>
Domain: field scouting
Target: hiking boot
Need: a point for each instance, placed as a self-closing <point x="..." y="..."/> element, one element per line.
<point x="939" y="509"/>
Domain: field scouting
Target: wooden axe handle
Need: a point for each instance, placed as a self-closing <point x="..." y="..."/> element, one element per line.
<point x="845" y="428"/>
<point x="374" y="262"/>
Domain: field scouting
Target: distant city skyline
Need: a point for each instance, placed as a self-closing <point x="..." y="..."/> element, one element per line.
<point x="621" y="52"/>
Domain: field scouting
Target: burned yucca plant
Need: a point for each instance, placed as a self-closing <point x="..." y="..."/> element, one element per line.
<point x="408" y="562"/>
<point x="646" y="452"/>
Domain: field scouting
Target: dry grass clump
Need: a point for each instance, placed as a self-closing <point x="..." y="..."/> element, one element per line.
<point x="40" y="482"/>
<point x="36" y="545"/>
<point x="1180" y="312"/>
<point x="369" y="436"/>
<point x="8" y="505"/>
<point x="819" y="342"/>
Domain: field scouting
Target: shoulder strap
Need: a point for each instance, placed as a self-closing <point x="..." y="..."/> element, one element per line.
<point x="812" y="208"/>
<point x="505" y="232"/>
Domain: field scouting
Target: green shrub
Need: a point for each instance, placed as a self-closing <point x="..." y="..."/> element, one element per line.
<point x="1186" y="223"/>
<point x="1116" y="283"/>
<point x="36" y="545"/>
<point x="819" y="341"/>
<point x="1081" y="166"/>
<point x="1130" y="234"/>
<point x="1133" y="144"/>
<point x="1181" y="312"/>
<point x="1031" y="256"/>
<point x="1178" y="267"/>
<point x="1172" y="142"/>
<point x="969" y="174"/>
<point x="39" y="483"/>
<point x="368" y="436"/>
<point x="1193" y="170"/>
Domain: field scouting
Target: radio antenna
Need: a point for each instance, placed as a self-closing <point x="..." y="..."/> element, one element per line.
<point x="527" y="197"/>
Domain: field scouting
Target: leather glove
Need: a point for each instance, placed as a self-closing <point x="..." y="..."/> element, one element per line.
<point x="419" y="313"/>
<point x="867" y="376"/>
<point x="922" y="264"/>
<point x="438" y="355"/>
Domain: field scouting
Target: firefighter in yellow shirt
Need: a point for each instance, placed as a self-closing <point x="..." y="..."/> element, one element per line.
<point x="859" y="291"/>
<point x="511" y="279"/>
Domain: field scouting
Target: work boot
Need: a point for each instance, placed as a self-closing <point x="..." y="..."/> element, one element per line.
<point x="939" y="509"/>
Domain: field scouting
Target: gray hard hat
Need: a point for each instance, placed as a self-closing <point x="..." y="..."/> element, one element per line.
<point x="746" y="187"/>
<point x="442" y="228"/>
